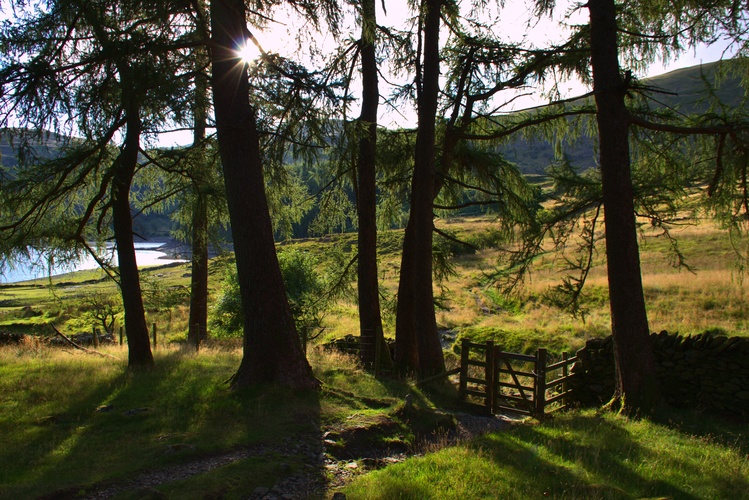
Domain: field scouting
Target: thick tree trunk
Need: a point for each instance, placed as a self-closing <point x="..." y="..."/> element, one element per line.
<point x="417" y="311"/>
<point x="199" y="274"/>
<point x="136" y="329"/>
<point x="197" y="329"/>
<point x="272" y="348"/>
<point x="370" y="318"/>
<point x="406" y="343"/>
<point x="635" y="365"/>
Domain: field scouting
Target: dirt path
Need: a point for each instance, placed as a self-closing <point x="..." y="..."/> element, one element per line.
<point x="319" y="476"/>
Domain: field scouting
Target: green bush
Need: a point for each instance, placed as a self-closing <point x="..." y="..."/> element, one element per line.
<point x="305" y="289"/>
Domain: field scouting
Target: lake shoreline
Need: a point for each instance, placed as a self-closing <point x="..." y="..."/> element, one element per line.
<point x="148" y="254"/>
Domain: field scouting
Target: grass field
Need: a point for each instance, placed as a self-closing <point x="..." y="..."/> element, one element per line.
<point x="72" y="422"/>
<point x="580" y="455"/>
<point x="53" y="441"/>
<point x="711" y="295"/>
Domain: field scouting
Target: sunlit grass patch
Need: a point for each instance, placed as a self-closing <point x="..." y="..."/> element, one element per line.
<point x="73" y="418"/>
<point x="578" y="455"/>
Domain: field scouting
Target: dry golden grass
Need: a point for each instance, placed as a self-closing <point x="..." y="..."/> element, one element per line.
<point x="678" y="300"/>
<point x="711" y="296"/>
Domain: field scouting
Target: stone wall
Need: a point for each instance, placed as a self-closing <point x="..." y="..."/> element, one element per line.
<point x="702" y="372"/>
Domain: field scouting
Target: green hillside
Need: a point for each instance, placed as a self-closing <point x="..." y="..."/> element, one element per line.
<point x="685" y="90"/>
<point x="16" y="142"/>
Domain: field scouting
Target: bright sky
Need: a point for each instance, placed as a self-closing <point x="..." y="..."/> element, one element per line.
<point x="514" y="22"/>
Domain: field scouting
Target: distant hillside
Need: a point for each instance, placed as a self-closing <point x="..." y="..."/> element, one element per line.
<point x="689" y="87"/>
<point x="684" y="89"/>
<point x="153" y="227"/>
<point x="44" y="145"/>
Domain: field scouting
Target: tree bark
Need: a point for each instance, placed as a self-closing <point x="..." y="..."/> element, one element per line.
<point x="199" y="275"/>
<point x="136" y="329"/>
<point x="406" y="343"/>
<point x="272" y="348"/>
<point x="197" y="329"/>
<point x="635" y="365"/>
<point x="370" y="318"/>
<point x="416" y="317"/>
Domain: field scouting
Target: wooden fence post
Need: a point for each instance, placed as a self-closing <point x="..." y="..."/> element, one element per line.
<point x="565" y="374"/>
<point x="495" y="380"/>
<point x="489" y="372"/>
<point x="95" y="338"/>
<point x="154" y="335"/>
<point x="464" y="357"/>
<point x="540" y="392"/>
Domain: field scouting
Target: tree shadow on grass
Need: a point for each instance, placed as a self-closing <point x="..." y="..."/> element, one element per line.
<point x="588" y="456"/>
<point x="145" y="420"/>
<point x="728" y="430"/>
<point x="39" y="453"/>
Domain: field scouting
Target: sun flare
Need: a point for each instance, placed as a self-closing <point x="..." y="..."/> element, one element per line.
<point x="248" y="52"/>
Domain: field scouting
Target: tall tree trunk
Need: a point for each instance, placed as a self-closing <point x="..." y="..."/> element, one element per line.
<point x="370" y="319"/>
<point x="417" y="310"/>
<point x="635" y="366"/>
<point x="197" y="329"/>
<point x="406" y="342"/>
<point x="199" y="275"/>
<point x="272" y="348"/>
<point x="136" y="329"/>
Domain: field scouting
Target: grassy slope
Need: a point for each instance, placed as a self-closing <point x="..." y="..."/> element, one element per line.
<point x="579" y="455"/>
<point x="683" y="89"/>
<point x="52" y="439"/>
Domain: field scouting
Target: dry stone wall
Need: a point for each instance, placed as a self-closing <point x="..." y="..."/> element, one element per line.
<point x="703" y="372"/>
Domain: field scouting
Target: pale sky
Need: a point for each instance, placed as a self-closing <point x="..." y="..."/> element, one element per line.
<point x="515" y="22"/>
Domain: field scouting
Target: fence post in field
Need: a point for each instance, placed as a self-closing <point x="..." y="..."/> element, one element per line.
<point x="95" y="339"/>
<point x="540" y="392"/>
<point x="154" y="335"/>
<point x="495" y="379"/>
<point x="565" y="374"/>
<point x="489" y="372"/>
<point x="464" y="357"/>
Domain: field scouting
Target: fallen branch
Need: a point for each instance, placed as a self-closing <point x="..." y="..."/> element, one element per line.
<point x="88" y="351"/>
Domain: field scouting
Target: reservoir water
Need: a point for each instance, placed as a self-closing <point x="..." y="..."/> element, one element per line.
<point x="147" y="254"/>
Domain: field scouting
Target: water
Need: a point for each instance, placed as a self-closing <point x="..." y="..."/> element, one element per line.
<point x="146" y="255"/>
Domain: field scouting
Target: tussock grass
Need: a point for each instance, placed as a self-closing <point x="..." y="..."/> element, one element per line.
<point x="710" y="295"/>
<point x="711" y="298"/>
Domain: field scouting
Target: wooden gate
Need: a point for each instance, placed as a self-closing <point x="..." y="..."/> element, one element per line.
<point x="512" y="382"/>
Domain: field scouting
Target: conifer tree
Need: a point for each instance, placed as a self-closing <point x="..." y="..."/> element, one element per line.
<point x="88" y="73"/>
<point x="637" y="33"/>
